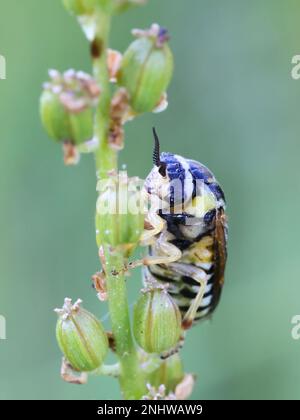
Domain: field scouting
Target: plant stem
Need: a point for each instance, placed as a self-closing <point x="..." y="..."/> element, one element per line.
<point x="106" y="157"/>
<point x="108" y="370"/>
<point x="131" y="379"/>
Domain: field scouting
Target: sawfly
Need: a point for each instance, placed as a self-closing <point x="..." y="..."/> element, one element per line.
<point x="187" y="236"/>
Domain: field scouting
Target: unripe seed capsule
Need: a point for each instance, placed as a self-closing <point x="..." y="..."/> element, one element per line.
<point x="120" y="213"/>
<point x="80" y="337"/>
<point x="122" y="5"/>
<point x="170" y="373"/>
<point x="146" y="69"/>
<point x="157" y="321"/>
<point x="67" y="104"/>
<point x="80" y="7"/>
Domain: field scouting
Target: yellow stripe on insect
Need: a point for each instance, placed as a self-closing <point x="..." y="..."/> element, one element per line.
<point x="200" y="205"/>
<point x="202" y="251"/>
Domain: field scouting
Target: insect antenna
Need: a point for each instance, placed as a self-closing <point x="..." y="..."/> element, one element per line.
<point x="156" y="155"/>
<point x="156" y="151"/>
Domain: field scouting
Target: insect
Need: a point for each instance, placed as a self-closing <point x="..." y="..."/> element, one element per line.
<point x="188" y="235"/>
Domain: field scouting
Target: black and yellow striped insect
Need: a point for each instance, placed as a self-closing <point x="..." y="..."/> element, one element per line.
<point x="188" y="235"/>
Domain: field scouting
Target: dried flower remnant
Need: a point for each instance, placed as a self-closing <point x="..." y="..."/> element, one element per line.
<point x="68" y="374"/>
<point x="185" y="388"/>
<point x="114" y="59"/>
<point x="155" y="394"/>
<point x="75" y="90"/>
<point x="99" y="283"/>
<point x="159" y="34"/>
<point x="118" y="113"/>
<point x="162" y="104"/>
<point x="70" y="153"/>
<point x="182" y="391"/>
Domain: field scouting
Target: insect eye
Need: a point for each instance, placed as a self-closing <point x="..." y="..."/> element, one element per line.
<point x="162" y="170"/>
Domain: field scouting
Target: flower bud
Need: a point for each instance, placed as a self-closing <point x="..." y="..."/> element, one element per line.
<point x="147" y="68"/>
<point x="119" y="213"/>
<point x="80" y="7"/>
<point x="67" y="106"/>
<point x="80" y="337"/>
<point x="157" y="321"/>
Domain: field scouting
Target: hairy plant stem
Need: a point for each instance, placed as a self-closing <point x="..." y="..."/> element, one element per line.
<point x="131" y="379"/>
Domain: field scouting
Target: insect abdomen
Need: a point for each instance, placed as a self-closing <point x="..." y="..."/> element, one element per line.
<point x="184" y="288"/>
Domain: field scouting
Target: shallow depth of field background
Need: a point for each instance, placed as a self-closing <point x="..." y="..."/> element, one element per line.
<point x="234" y="107"/>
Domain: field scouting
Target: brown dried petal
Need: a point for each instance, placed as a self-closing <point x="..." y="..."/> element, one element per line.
<point x="71" y="154"/>
<point x="116" y="137"/>
<point x="100" y="285"/>
<point x="71" y="376"/>
<point x="162" y="104"/>
<point x="185" y="388"/>
<point x="114" y="59"/>
<point x="119" y="104"/>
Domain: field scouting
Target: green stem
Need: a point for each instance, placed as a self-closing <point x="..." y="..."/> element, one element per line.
<point x="106" y="157"/>
<point x="131" y="379"/>
<point x="108" y="370"/>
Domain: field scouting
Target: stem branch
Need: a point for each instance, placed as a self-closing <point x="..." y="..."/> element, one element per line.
<point x="107" y="370"/>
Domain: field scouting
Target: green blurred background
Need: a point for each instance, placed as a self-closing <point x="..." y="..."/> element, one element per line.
<point x="234" y="107"/>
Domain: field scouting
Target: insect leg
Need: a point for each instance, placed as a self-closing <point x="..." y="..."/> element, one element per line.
<point x="157" y="226"/>
<point x="164" y="253"/>
<point x="201" y="277"/>
<point x="175" y="350"/>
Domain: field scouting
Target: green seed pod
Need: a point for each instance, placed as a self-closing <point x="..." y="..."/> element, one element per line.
<point x="120" y="213"/>
<point x="157" y="321"/>
<point x="170" y="373"/>
<point x="146" y="69"/>
<point x="80" y="7"/>
<point x="67" y="104"/>
<point x="122" y="5"/>
<point x="80" y="337"/>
